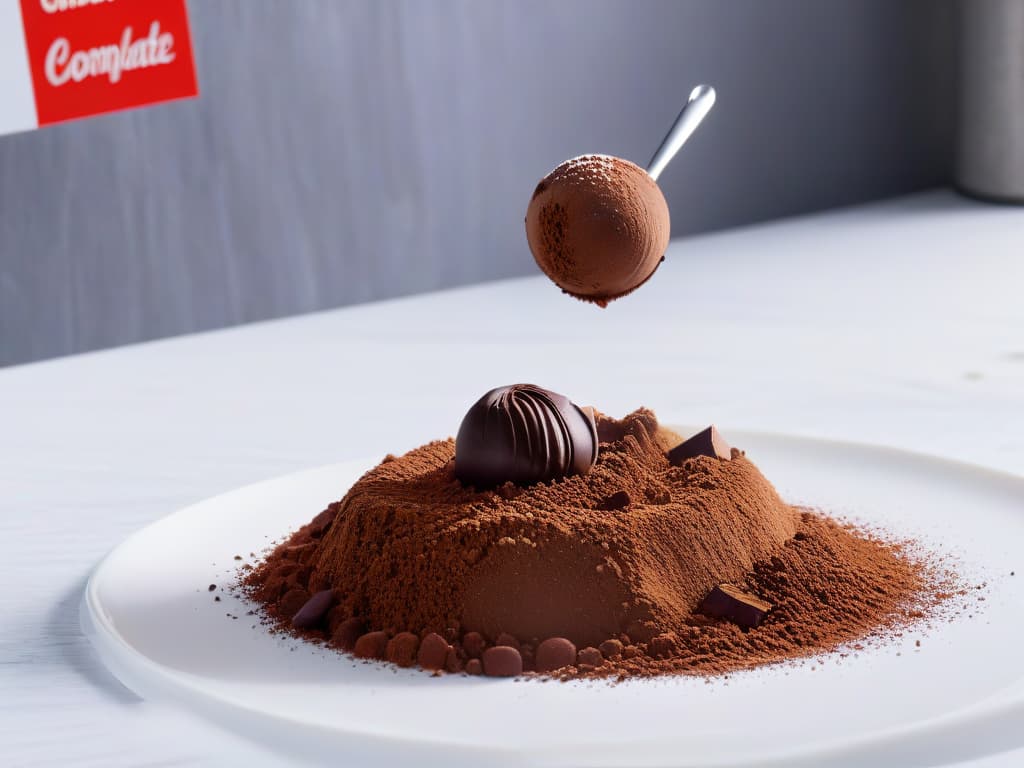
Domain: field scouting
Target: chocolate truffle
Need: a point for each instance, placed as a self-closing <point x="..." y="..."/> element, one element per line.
<point x="598" y="226"/>
<point x="524" y="434"/>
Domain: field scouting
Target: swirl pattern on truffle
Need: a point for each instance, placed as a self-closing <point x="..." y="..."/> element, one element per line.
<point x="523" y="434"/>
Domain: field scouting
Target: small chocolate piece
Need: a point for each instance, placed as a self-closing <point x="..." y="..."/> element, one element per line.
<point x="611" y="649"/>
<point x="433" y="652"/>
<point x="524" y="434"/>
<point x="474" y="667"/>
<point x="555" y="653"/>
<point x="212" y="587"/>
<point x="347" y="633"/>
<point x="502" y="661"/>
<point x="372" y="645"/>
<point x="706" y="443"/>
<point x="591" y="657"/>
<point x="733" y="604"/>
<point x="473" y="644"/>
<point x="618" y="500"/>
<point x="401" y="649"/>
<point x="312" y="614"/>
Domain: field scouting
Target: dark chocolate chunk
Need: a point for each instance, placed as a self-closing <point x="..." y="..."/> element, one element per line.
<point x="474" y="667"/>
<point x="618" y="500"/>
<point x="706" y="443"/>
<point x="590" y="656"/>
<point x="502" y="661"/>
<point x="372" y="645"/>
<point x="524" y="434"/>
<point x="433" y="652"/>
<point x="312" y="613"/>
<point x="212" y="587"/>
<point x="402" y="648"/>
<point x="555" y="653"/>
<point x="733" y="604"/>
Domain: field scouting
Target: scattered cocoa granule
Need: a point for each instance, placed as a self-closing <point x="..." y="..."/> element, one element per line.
<point x="616" y="563"/>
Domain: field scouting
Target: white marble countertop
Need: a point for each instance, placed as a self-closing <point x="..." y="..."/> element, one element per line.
<point x="900" y="323"/>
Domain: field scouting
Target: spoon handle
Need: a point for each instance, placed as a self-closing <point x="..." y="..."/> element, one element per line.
<point x="702" y="98"/>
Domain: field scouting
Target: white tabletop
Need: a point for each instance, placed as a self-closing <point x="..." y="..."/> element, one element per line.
<point x="898" y="323"/>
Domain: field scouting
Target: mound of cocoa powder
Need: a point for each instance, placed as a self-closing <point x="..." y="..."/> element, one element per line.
<point x="611" y="567"/>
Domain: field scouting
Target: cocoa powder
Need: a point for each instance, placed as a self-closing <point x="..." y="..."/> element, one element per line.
<point x="616" y="562"/>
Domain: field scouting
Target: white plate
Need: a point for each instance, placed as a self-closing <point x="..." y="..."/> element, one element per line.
<point x="959" y="695"/>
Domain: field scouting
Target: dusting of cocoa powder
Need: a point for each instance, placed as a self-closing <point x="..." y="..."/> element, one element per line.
<point x="616" y="562"/>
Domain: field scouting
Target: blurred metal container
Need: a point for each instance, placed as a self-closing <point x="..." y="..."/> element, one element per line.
<point x="990" y="124"/>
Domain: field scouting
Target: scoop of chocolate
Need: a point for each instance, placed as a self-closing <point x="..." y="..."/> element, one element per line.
<point x="524" y="434"/>
<point x="598" y="226"/>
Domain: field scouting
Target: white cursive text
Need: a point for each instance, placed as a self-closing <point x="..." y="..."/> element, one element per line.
<point x="56" y="6"/>
<point x="62" y="64"/>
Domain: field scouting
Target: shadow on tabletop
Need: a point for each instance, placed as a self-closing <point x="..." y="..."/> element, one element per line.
<point x="63" y="626"/>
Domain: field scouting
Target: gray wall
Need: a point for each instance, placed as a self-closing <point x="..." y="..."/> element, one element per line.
<point x="347" y="151"/>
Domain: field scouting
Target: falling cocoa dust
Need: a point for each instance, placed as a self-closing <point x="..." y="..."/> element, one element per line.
<point x="617" y="562"/>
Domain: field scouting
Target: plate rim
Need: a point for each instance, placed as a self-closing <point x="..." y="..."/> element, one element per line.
<point x="142" y="674"/>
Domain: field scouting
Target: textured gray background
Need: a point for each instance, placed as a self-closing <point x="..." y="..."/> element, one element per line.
<point x="348" y="151"/>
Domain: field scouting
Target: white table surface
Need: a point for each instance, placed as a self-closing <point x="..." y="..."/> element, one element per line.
<point x="899" y="323"/>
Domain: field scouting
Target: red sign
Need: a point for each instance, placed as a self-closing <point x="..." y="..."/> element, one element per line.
<point x="92" y="56"/>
